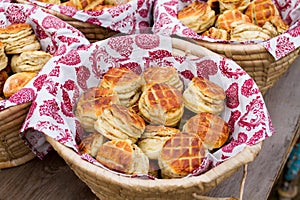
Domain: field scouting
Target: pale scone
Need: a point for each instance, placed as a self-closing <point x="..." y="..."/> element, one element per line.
<point x="161" y="104"/>
<point x="29" y="61"/>
<point x="18" y="38"/>
<point x="91" y="144"/>
<point x="157" y="74"/>
<point x="153" y="139"/>
<point x="198" y="16"/>
<point x="203" y="95"/>
<point x="211" y="129"/>
<point x="123" y="156"/>
<point x="91" y="104"/>
<point x="118" y="122"/>
<point x="126" y="83"/>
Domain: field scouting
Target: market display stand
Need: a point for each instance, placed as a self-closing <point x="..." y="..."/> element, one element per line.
<point x="53" y="179"/>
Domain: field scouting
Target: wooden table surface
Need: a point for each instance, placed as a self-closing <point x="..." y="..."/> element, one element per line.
<point x="51" y="178"/>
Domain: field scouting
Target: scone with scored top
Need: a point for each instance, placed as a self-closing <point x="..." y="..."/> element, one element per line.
<point x="225" y="19"/>
<point x="123" y="156"/>
<point x="153" y="139"/>
<point x="126" y="83"/>
<point x="261" y="11"/>
<point x="240" y="5"/>
<point x="118" y="122"/>
<point x="18" y="38"/>
<point x="181" y="155"/>
<point x="3" y="57"/>
<point x="16" y="82"/>
<point x="30" y="61"/>
<point x="92" y="103"/>
<point x="157" y="74"/>
<point x="211" y="129"/>
<point x="91" y="144"/>
<point x="203" y="95"/>
<point x="161" y="104"/>
<point x="198" y="16"/>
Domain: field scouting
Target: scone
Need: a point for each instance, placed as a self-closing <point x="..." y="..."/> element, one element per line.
<point x="248" y="31"/>
<point x="161" y="104"/>
<point x="3" y="78"/>
<point x="167" y="74"/>
<point x="225" y="19"/>
<point x="211" y="129"/>
<point x="29" y="61"/>
<point x="115" y="2"/>
<point x="3" y="57"/>
<point x="118" y="122"/>
<point x="216" y="33"/>
<point x="18" y="38"/>
<point x="279" y="24"/>
<point x="91" y="144"/>
<point x="181" y="155"/>
<point x="261" y="11"/>
<point x="153" y="139"/>
<point x="125" y="83"/>
<point x="240" y="5"/>
<point x="16" y="82"/>
<point x="123" y="156"/>
<point x="92" y="103"/>
<point x="198" y="16"/>
<point x="203" y="95"/>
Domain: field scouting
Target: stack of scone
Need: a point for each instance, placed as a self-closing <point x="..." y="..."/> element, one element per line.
<point x="21" y="57"/>
<point x="151" y="140"/>
<point x="236" y="20"/>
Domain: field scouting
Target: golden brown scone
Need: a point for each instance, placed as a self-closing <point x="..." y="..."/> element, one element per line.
<point x="118" y="122"/>
<point x="29" y="61"/>
<point x="240" y="5"/>
<point x="261" y="11"/>
<point x="3" y="78"/>
<point x="125" y="83"/>
<point x="161" y="104"/>
<point x="181" y="155"/>
<point x="167" y="74"/>
<point x="92" y="103"/>
<point x="248" y="31"/>
<point x="91" y="144"/>
<point x="58" y="2"/>
<point x="115" y="2"/>
<point x="153" y="139"/>
<point x="18" y="38"/>
<point x="225" y="19"/>
<point x="3" y="57"/>
<point x="82" y="4"/>
<point x="198" y="16"/>
<point x="16" y="82"/>
<point x="211" y="129"/>
<point x="279" y="24"/>
<point x="203" y="95"/>
<point x="123" y="156"/>
<point x="216" y="33"/>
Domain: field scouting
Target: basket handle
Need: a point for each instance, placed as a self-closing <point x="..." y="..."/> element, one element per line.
<point x="200" y="197"/>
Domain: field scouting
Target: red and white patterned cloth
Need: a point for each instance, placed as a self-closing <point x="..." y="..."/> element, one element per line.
<point x="166" y="23"/>
<point x="78" y="65"/>
<point x="132" y="17"/>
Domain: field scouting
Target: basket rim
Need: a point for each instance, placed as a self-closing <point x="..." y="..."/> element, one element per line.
<point x="73" y="159"/>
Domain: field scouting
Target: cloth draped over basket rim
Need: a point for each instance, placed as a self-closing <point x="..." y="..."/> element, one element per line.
<point x="132" y="17"/>
<point x="52" y="111"/>
<point x="54" y="35"/>
<point x="264" y="61"/>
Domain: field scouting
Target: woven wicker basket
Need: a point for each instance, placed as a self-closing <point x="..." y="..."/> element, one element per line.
<point x="107" y="185"/>
<point x="91" y="31"/>
<point x="13" y="151"/>
<point x="255" y="60"/>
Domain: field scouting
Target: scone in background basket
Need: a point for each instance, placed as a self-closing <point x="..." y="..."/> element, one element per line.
<point x="13" y="149"/>
<point x="254" y="58"/>
<point x="90" y="24"/>
<point x="107" y="185"/>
